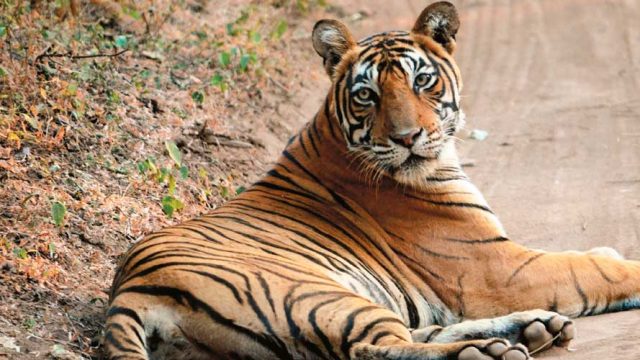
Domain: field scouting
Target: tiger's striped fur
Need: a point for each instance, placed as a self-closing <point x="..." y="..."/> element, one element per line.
<point x="365" y="241"/>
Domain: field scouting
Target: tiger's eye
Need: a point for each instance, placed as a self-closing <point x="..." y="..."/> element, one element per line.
<point x="364" y="94"/>
<point x="422" y="79"/>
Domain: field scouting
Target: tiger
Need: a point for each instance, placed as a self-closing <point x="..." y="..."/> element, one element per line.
<point x="366" y="239"/>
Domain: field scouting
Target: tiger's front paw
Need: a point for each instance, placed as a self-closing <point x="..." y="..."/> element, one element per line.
<point x="543" y="332"/>
<point x="496" y="349"/>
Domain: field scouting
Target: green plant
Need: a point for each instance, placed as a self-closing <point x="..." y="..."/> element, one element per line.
<point x="29" y="324"/>
<point x="167" y="175"/>
<point x="58" y="210"/>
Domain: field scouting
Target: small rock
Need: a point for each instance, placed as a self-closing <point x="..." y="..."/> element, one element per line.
<point x="152" y="55"/>
<point x="9" y="343"/>
<point x="58" y="352"/>
<point x="477" y="134"/>
<point x="468" y="163"/>
<point x="23" y="154"/>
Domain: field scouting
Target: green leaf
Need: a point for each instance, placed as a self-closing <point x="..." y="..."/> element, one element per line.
<point x="198" y="97"/>
<point x="224" y="58"/>
<point x="174" y="152"/>
<point x="231" y="30"/>
<point x="202" y="174"/>
<point x="202" y="35"/>
<point x="216" y="80"/>
<point x="35" y="125"/>
<point x="280" y="29"/>
<point x="148" y="165"/>
<point x="72" y="89"/>
<point x="132" y="12"/>
<point x="163" y="174"/>
<point x="3" y="72"/>
<point x="172" y="185"/>
<point x="52" y="250"/>
<point x="46" y="34"/>
<point x="244" y="16"/>
<point x="244" y="62"/>
<point x="30" y="323"/>
<point x="121" y="41"/>
<point x="255" y="36"/>
<point x="20" y="253"/>
<point x="58" y="210"/>
<point x="143" y="166"/>
<point x="184" y="172"/>
<point x="240" y="190"/>
<point x="3" y="30"/>
<point x="170" y="205"/>
<point x="145" y="74"/>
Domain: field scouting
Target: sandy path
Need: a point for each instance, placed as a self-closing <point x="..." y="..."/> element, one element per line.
<point x="557" y="86"/>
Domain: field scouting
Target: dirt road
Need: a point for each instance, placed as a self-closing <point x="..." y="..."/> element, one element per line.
<point x="557" y="86"/>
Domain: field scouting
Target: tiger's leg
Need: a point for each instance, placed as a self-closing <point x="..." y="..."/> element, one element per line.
<point x="537" y="329"/>
<point x="342" y="324"/>
<point x="509" y="277"/>
<point x="492" y="349"/>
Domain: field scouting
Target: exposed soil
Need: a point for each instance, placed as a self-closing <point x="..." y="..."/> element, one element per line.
<point x="556" y="84"/>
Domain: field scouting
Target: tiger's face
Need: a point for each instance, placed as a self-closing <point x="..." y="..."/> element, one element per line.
<point x="396" y="94"/>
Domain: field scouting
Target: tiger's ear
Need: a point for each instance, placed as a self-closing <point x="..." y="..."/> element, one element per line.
<point x="440" y="22"/>
<point x="331" y="40"/>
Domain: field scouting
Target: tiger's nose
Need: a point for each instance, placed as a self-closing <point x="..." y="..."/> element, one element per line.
<point x="406" y="138"/>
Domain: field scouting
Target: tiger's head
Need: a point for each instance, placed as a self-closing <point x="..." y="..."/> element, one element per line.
<point x="396" y="95"/>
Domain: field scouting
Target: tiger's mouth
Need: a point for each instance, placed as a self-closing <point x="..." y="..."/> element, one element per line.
<point x="414" y="160"/>
<point x="413" y="163"/>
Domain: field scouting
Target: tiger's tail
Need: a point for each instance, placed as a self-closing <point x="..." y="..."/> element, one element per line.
<point x="125" y="336"/>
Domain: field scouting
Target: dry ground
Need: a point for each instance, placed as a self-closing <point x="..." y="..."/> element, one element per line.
<point x="555" y="83"/>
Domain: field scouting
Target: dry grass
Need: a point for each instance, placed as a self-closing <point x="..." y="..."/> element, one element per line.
<point x="91" y="93"/>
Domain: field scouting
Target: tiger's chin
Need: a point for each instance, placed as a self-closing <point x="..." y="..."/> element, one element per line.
<point x="415" y="173"/>
<point x="416" y="170"/>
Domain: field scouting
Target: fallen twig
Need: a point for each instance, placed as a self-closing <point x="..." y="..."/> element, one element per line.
<point x="76" y="57"/>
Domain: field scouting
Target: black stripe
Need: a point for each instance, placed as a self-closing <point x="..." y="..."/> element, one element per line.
<point x="452" y="203"/>
<point x="221" y="281"/>
<point x="267" y="292"/>
<point x="118" y="310"/>
<point x="158" y="267"/>
<point x="479" y="241"/>
<point x="113" y="341"/>
<point x="427" y="251"/>
<point x="522" y="266"/>
<point x="365" y="331"/>
<point x="338" y="199"/>
<point x="317" y="330"/>
<point x="384" y="334"/>
<point x="581" y="293"/>
<point x="310" y="136"/>
<point x="185" y="298"/>
<point x="346" y="332"/>
<point x="602" y="273"/>
<point x="327" y="115"/>
<point x="294" y="329"/>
